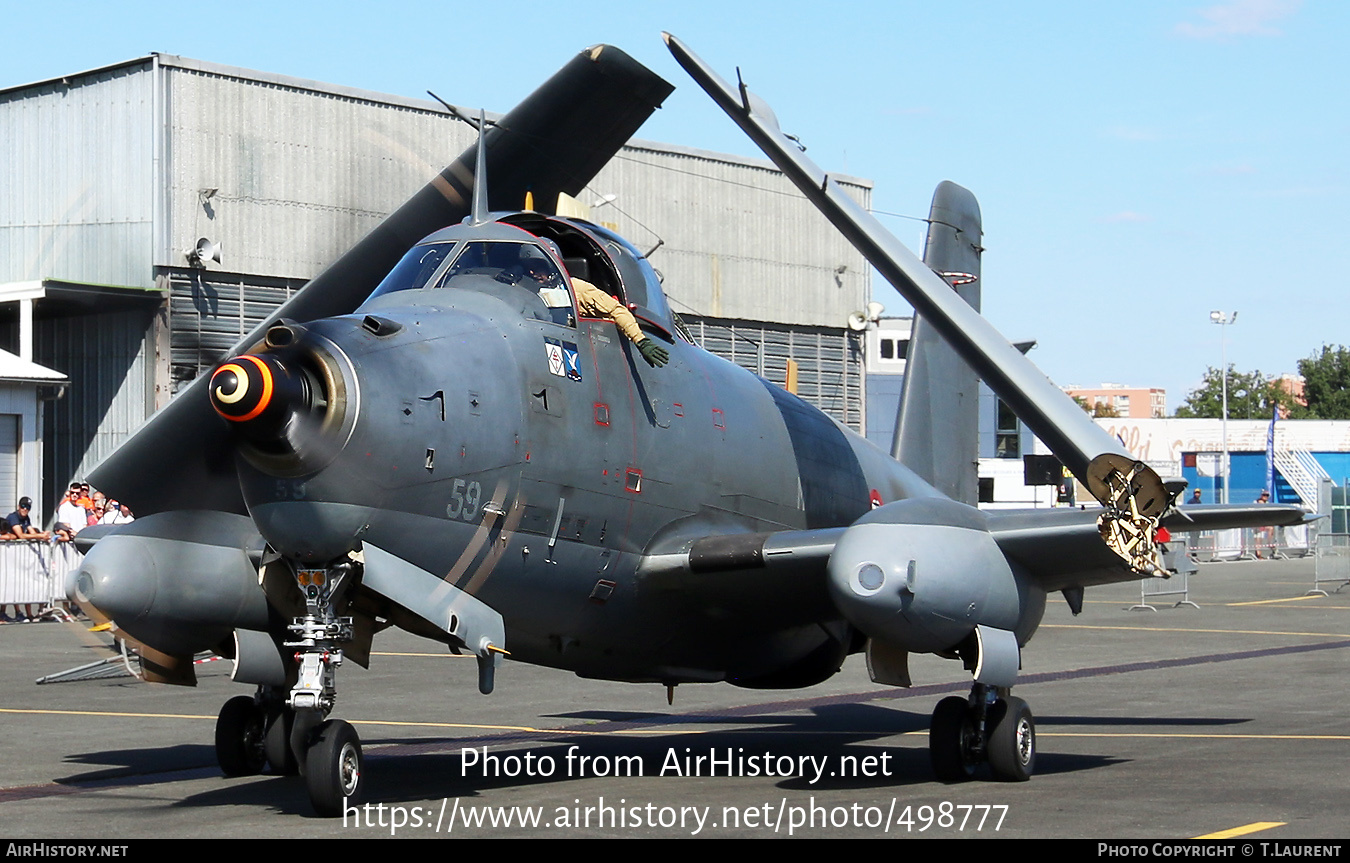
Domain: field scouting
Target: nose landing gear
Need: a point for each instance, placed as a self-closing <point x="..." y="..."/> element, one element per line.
<point x="290" y="730"/>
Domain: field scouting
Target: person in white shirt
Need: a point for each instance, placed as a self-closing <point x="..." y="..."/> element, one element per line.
<point x="117" y="514"/>
<point x="71" y="517"/>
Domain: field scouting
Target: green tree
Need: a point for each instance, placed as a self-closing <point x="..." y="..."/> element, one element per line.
<point x="1099" y="407"/>
<point x="1326" y="385"/>
<point x="1104" y="408"/>
<point x="1251" y="395"/>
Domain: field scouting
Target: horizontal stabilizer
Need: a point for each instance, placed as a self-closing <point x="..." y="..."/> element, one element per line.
<point x="1235" y="515"/>
<point x="1063" y="548"/>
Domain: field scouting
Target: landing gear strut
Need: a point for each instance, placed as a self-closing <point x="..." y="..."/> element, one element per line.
<point x="988" y="727"/>
<point x="289" y="728"/>
<point x="327" y="752"/>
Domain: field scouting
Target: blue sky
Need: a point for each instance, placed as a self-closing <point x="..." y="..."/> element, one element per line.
<point x="1138" y="163"/>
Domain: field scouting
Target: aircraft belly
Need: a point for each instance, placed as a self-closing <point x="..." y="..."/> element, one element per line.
<point x="577" y="606"/>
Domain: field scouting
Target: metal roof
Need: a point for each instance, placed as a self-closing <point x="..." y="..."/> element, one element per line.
<point x="15" y="368"/>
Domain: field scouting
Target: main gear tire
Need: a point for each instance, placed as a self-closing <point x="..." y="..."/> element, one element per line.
<point x="949" y="740"/>
<point x="1012" y="740"/>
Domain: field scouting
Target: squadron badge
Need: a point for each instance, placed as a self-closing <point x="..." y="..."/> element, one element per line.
<point x="562" y="359"/>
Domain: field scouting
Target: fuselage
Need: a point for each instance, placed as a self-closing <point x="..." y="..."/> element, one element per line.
<point x="529" y="456"/>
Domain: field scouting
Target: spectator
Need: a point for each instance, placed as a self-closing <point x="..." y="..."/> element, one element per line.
<point x="18" y="525"/>
<point x="72" y="516"/>
<point x="1264" y="537"/>
<point x="117" y="514"/>
<point x="98" y="507"/>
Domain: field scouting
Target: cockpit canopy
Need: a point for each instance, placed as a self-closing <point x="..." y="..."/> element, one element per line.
<point x="539" y="254"/>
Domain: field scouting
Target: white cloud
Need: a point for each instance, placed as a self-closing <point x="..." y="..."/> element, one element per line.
<point x="1239" y="18"/>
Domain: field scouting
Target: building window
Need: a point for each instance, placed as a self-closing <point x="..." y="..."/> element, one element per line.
<point x="1007" y="435"/>
<point x="888" y="349"/>
<point x="986" y="489"/>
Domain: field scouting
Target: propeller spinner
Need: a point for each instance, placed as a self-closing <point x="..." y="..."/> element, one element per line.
<point x="288" y="403"/>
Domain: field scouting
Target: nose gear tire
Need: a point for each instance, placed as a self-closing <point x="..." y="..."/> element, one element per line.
<point x="239" y="737"/>
<point x="277" y="743"/>
<point x="334" y="768"/>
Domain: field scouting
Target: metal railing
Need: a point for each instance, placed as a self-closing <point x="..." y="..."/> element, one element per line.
<point x="33" y="575"/>
<point x="1251" y="543"/>
<point x="1332" y="562"/>
<point x="1180" y="563"/>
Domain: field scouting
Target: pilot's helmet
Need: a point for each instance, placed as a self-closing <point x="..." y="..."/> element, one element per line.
<point x="542" y="271"/>
<point x="552" y="247"/>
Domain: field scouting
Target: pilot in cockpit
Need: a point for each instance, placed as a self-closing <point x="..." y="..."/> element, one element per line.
<point x="596" y="303"/>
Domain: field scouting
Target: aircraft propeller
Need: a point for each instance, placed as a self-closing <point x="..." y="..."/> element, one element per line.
<point x="287" y="401"/>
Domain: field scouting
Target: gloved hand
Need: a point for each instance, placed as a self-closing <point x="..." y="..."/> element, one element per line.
<point x="655" y="355"/>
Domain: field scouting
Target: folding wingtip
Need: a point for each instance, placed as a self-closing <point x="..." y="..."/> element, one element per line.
<point x="678" y="49"/>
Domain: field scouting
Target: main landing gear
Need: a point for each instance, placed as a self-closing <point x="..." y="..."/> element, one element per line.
<point x="990" y="726"/>
<point x="289" y="729"/>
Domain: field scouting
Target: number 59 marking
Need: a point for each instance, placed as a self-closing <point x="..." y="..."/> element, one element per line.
<point x="464" y="500"/>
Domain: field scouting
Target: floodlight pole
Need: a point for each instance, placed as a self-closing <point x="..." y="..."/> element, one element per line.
<point x="1223" y="321"/>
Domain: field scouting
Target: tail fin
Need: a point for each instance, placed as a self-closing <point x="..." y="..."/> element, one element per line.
<point x="937" y="427"/>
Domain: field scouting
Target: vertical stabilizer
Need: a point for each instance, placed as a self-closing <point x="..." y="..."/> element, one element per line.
<point x="937" y="427"/>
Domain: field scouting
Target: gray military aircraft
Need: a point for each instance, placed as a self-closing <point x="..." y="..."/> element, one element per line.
<point x="433" y="435"/>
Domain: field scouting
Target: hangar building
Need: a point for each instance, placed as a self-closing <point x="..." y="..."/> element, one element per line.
<point x="110" y="178"/>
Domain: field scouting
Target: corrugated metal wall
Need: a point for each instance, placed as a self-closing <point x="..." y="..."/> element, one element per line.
<point x="104" y="355"/>
<point x="830" y="362"/>
<point x="740" y="241"/>
<point x="205" y="314"/>
<point x="9" y="461"/>
<point x="76" y="188"/>
<point x="206" y="321"/>
<point x="301" y="175"/>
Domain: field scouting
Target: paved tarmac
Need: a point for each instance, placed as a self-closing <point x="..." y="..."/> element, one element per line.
<point x="1167" y="725"/>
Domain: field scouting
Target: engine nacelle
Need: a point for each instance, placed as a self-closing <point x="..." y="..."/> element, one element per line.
<point x="921" y="574"/>
<point x="179" y="582"/>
